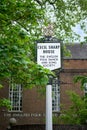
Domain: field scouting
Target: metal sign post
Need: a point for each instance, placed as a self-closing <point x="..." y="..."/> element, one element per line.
<point x="49" y="56"/>
<point x="49" y="105"/>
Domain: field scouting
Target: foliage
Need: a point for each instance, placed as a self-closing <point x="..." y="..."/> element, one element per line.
<point x="21" y="23"/>
<point x="66" y="14"/>
<point x="82" y="79"/>
<point x="5" y="103"/>
<point x="20" y="26"/>
<point x="77" y="112"/>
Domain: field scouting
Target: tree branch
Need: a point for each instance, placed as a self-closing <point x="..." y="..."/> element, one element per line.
<point x="39" y="2"/>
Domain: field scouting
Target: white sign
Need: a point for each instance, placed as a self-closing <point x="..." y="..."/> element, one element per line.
<point x="49" y="55"/>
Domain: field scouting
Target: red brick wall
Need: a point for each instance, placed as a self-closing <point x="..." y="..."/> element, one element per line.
<point x="71" y="68"/>
<point x="75" y="64"/>
<point x="33" y="109"/>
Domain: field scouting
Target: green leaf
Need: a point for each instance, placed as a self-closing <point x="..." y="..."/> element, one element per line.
<point x="1" y="86"/>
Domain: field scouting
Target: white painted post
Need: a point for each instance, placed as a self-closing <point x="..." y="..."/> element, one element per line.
<point x="49" y="107"/>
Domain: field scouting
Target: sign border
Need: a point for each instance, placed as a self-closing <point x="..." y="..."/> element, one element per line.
<point x="57" y="41"/>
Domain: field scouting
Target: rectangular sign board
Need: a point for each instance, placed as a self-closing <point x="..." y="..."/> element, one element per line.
<point x="49" y="55"/>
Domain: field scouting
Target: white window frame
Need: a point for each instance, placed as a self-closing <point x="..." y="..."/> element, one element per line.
<point x="55" y="96"/>
<point x="15" y="96"/>
<point x="85" y="89"/>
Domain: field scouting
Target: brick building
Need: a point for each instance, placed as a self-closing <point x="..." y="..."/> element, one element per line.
<point x="73" y="66"/>
<point x="29" y="105"/>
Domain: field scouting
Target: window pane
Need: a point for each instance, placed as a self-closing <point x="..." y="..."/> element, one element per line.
<point x="15" y="96"/>
<point x="55" y="96"/>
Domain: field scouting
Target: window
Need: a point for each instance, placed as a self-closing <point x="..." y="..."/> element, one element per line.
<point x="55" y="96"/>
<point x="85" y="89"/>
<point x="15" y="96"/>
